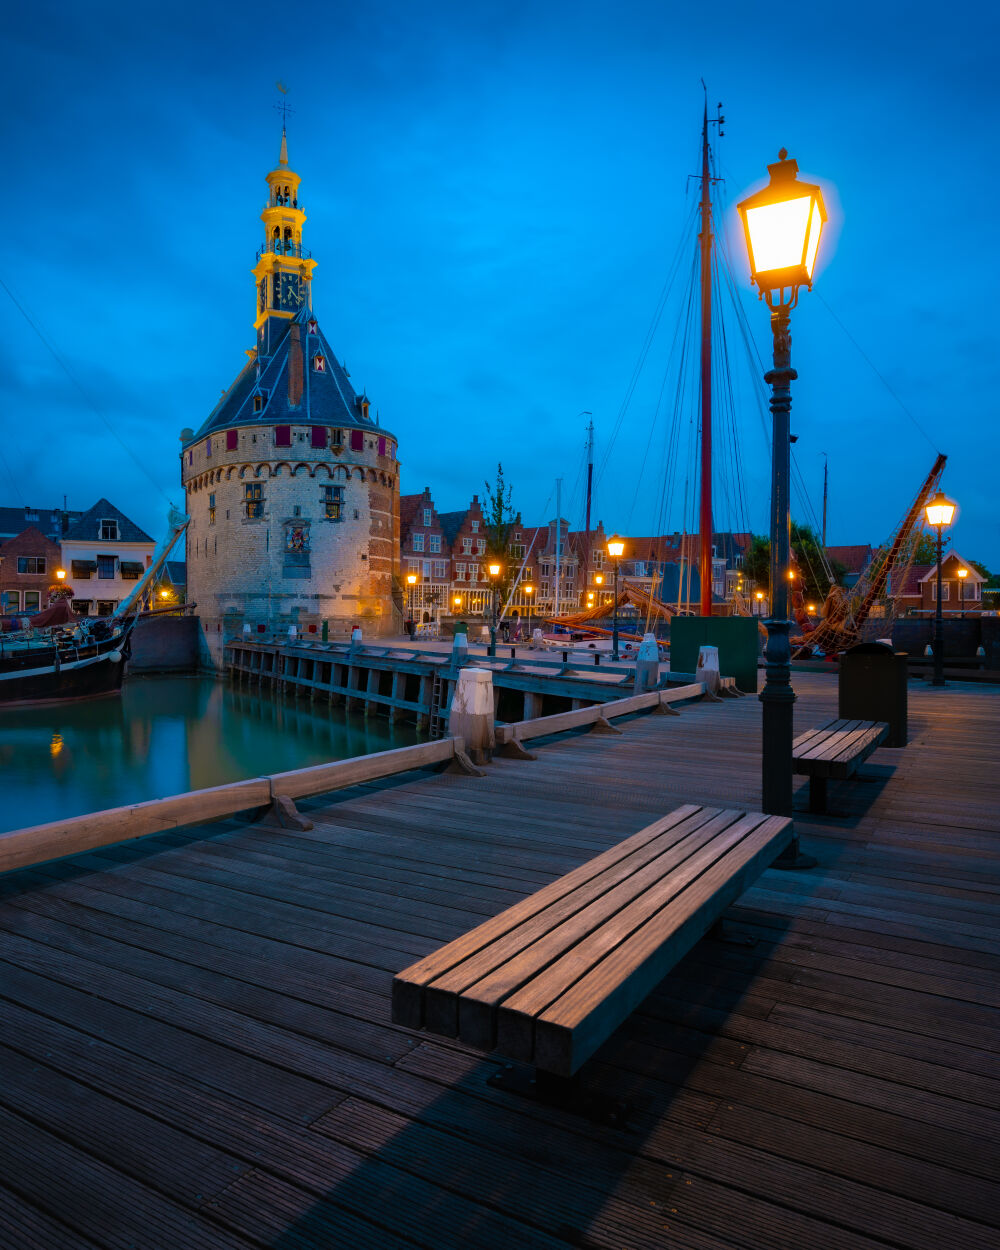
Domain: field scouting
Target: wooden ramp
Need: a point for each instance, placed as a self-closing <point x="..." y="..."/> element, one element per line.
<point x="197" y="1051"/>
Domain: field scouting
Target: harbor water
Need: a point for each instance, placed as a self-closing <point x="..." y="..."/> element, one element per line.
<point x="166" y="735"/>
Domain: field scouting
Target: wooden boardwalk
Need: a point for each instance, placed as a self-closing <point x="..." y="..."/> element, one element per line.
<point x="195" y="1045"/>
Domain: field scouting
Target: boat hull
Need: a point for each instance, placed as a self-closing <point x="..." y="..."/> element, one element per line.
<point x="85" y="673"/>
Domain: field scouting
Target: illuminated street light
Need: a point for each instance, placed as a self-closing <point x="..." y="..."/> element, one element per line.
<point x="783" y="224"/>
<point x="940" y="511"/>
<point x="616" y="546"/>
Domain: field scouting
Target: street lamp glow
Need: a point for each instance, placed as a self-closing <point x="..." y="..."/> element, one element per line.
<point x="963" y="572"/>
<point x="61" y="574"/>
<point x="783" y="224"/>
<point x="458" y="601"/>
<point x="616" y="546"/>
<point x="494" y="570"/>
<point x="529" y="589"/>
<point x="760" y="595"/>
<point x="940" y="510"/>
<point x="411" y="579"/>
<point x="599" y="578"/>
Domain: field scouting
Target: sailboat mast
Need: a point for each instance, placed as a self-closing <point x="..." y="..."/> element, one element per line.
<point x="590" y="488"/>
<point x="826" y="466"/>
<point x="705" y="241"/>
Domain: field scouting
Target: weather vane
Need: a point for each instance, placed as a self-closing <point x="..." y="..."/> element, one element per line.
<point x="283" y="107"/>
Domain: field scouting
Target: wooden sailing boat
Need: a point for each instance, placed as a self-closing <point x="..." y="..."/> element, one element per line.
<point x="57" y="657"/>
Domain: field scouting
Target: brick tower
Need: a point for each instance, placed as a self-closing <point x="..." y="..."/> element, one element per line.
<point x="291" y="485"/>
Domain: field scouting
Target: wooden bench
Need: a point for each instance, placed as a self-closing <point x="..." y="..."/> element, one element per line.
<point x="834" y="750"/>
<point x="551" y="978"/>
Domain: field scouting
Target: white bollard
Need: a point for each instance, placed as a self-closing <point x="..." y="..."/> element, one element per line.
<point x="291" y="633"/>
<point x="708" y="668"/>
<point x="928" y="650"/>
<point x="484" y="634"/>
<point x="355" y="635"/>
<point x="537" y="640"/>
<point x="460" y="646"/>
<point x="471" y="715"/>
<point x="647" y="664"/>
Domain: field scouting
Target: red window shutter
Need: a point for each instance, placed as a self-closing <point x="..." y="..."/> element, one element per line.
<point x="282" y="436"/>
<point x="232" y="439"/>
<point x="319" y="436"/>
<point x="357" y="440"/>
<point x="381" y="446"/>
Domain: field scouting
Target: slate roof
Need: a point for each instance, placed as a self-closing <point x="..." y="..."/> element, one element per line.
<point x="87" y="529"/>
<point x="451" y="523"/>
<point x="327" y="398"/>
<point x="176" y="571"/>
<point x="14" y="521"/>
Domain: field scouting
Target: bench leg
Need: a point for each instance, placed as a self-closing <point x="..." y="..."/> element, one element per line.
<point x="563" y="1092"/>
<point x="817" y="794"/>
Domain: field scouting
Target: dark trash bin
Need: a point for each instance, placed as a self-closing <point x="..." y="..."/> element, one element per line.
<point x="873" y="687"/>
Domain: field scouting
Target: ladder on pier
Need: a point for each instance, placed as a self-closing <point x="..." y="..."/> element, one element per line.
<point x="438" y="715"/>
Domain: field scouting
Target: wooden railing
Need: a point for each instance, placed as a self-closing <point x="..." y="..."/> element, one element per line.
<point x="24" y="847"/>
<point x="34" y="845"/>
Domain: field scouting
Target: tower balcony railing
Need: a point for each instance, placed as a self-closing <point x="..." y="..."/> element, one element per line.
<point x="279" y="247"/>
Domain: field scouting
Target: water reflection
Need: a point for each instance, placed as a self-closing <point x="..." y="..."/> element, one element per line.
<point x="163" y="736"/>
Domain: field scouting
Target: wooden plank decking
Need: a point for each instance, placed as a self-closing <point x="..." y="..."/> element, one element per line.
<point x="196" y="1050"/>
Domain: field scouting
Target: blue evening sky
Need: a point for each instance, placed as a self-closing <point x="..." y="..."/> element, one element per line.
<point x="496" y="195"/>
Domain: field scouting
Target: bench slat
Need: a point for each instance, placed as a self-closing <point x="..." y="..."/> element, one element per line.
<point x="841" y="752"/>
<point x="527" y="962"/>
<point x="825" y="739"/>
<point x="409" y="985"/>
<point x="573" y="1027"/>
<point x="465" y="998"/>
<point x="549" y="981"/>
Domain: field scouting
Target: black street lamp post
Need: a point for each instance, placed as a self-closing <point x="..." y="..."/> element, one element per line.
<point x="939" y="511"/>
<point x="616" y="546"/>
<point x="494" y="570"/>
<point x="783" y="224"/>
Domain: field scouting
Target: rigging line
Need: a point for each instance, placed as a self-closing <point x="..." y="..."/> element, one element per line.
<point x="72" y="377"/>
<point x="728" y="407"/>
<point x="649" y="336"/>
<point x="760" y="389"/>
<point x="874" y="369"/>
<point x="673" y="455"/>
<point x="742" y="499"/>
<point x="659" y="399"/>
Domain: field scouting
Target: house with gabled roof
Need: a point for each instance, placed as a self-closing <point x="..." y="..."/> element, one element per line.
<point x="104" y="554"/>
<point x="425" y="553"/>
<point x="918" y="591"/>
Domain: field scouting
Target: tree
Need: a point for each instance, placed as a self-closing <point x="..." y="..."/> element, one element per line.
<point x="498" y="518"/>
<point x="925" y="552"/>
<point x="808" y="558"/>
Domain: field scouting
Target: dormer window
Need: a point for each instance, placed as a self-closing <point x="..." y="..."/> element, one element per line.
<point x="311" y="326"/>
<point x="319" y="363"/>
<point x="108" y="531"/>
<point x="259" y="401"/>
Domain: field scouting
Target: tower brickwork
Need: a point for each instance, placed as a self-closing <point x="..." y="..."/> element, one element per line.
<point x="291" y="484"/>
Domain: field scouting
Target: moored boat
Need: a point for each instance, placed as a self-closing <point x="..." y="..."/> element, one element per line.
<point x="57" y="656"/>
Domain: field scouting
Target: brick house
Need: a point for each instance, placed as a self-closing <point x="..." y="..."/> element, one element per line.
<point x="425" y="551"/>
<point x="918" y="593"/>
<point x="28" y="564"/>
<point x="465" y="532"/>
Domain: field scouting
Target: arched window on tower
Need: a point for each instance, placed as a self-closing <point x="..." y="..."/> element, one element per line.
<point x="288" y="240"/>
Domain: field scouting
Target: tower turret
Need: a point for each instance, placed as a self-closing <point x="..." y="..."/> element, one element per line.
<point x="283" y="273"/>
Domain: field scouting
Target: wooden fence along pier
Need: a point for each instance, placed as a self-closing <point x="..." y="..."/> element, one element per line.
<point x="419" y="686"/>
